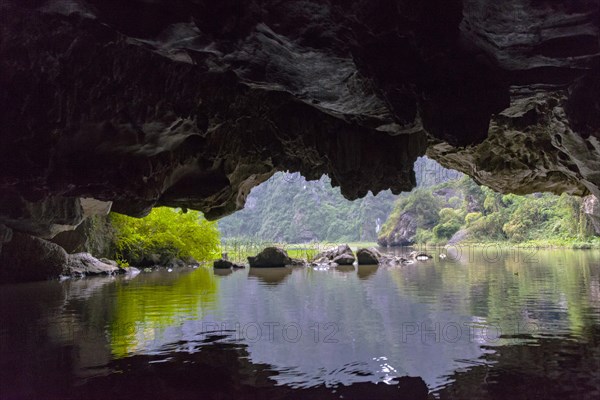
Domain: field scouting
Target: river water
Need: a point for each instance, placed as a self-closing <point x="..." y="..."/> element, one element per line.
<point x="481" y="323"/>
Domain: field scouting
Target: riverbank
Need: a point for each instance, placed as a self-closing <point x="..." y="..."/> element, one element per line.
<point x="552" y="243"/>
<point x="239" y="250"/>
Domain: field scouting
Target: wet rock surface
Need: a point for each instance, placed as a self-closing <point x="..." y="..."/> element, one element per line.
<point x="84" y="264"/>
<point x="344" y="259"/>
<point x="368" y="256"/>
<point x="226" y="264"/>
<point x="419" y="255"/>
<point x="270" y="257"/>
<point x="341" y="255"/>
<point x="27" y="258"/>
<point x="192" y="103"/>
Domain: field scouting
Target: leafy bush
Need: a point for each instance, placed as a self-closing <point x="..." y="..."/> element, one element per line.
<point x="470" y="218"/>
<point x="489" y="227"/>
<point x="446" y="230"/>
<point x="165" y="234"/>
<point x="424" y="236"/>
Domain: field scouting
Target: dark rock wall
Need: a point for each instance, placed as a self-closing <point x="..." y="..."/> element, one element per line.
<point x="192" y="102"/>
<point x="28" y="258"/>
<point x="94" y="235"/>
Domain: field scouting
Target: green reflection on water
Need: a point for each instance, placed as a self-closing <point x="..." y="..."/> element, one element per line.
<point x="151" y="302"/>
<point x="509" y="288"/>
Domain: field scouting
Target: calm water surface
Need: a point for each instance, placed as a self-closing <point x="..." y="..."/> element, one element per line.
<point x="490" y="323"/>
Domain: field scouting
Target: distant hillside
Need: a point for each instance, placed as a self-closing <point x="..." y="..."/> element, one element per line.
<point x="287" y="208"/>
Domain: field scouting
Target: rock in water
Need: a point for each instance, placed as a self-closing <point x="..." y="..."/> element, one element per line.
<point x="419" y="255"/>
<point x="344" y="259"/>
<point x="298" y="262"/>
<point x="222" y="264"/>
<point x="341" y="255"/>
<point x="82" y="264"/>
<point x="270" y="257"/>
<point x="226" y="264"/>
<point x="368" y="256"/>
<point x="26" y="258"/>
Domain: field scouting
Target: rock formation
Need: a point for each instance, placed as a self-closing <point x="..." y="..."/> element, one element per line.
<point x="28" y="258"/>
<point x="270" y="257"/>
<point x="83" y="264"/>
<point x="370" y="256"/>
<point x="340" y="255"/>
<point x="403" y="233"/>
<point x="193" y="102"/>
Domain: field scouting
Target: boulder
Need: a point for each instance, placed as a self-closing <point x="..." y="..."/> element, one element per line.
<point x="419" y="255"/>
<point x="368" y="256"/>
<point x="222" y="264"/>
<point x="298" y="262"/>
<point x="344" y="259"/>
<point x="83" y="264"/>
<point x="226" y="264"/>
<point x="342" y="253"/>
<point x="270" y="257"/>
<point x="132" y="271"/>
<point x="320" y="260"/>
<point x="28" y="258"/>
<point x="110" y="262"/>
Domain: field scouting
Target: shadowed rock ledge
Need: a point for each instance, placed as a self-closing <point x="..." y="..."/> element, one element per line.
<point x="192" y="103"/>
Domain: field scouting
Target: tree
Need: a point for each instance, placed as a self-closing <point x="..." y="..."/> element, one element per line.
<point x="167" y="233"/>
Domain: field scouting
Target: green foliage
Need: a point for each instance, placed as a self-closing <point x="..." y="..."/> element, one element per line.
<point x="167" y="233"/>
<point x="449" y="223"/>
<point x="488" y="227"/>
<point x="424" y="236"/>
<point x="445" y="230"/>
<point x="470" y="218"/>
<point x="454" y="202"/>
<point x="489" y="216"/>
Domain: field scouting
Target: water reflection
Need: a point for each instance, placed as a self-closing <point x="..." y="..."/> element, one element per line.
<point x="453" y="322"/>
<point x="366" y="271"/>
<point x="345" y="268"/>
<point x="270" y="276"/>
<point x="152" y="302"/>
<point x="564" y="368"/>
<point x="222" y="272"/>
<point x="222" y="370"/>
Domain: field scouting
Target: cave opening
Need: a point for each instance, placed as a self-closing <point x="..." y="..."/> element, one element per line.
<point x="151" y="244"/>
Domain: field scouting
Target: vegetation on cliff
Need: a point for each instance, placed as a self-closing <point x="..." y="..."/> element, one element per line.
<point x="289" y="209"/>
<point x="459" y="209"/>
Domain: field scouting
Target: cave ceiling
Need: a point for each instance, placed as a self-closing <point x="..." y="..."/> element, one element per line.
<point x="191" y="103"/>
